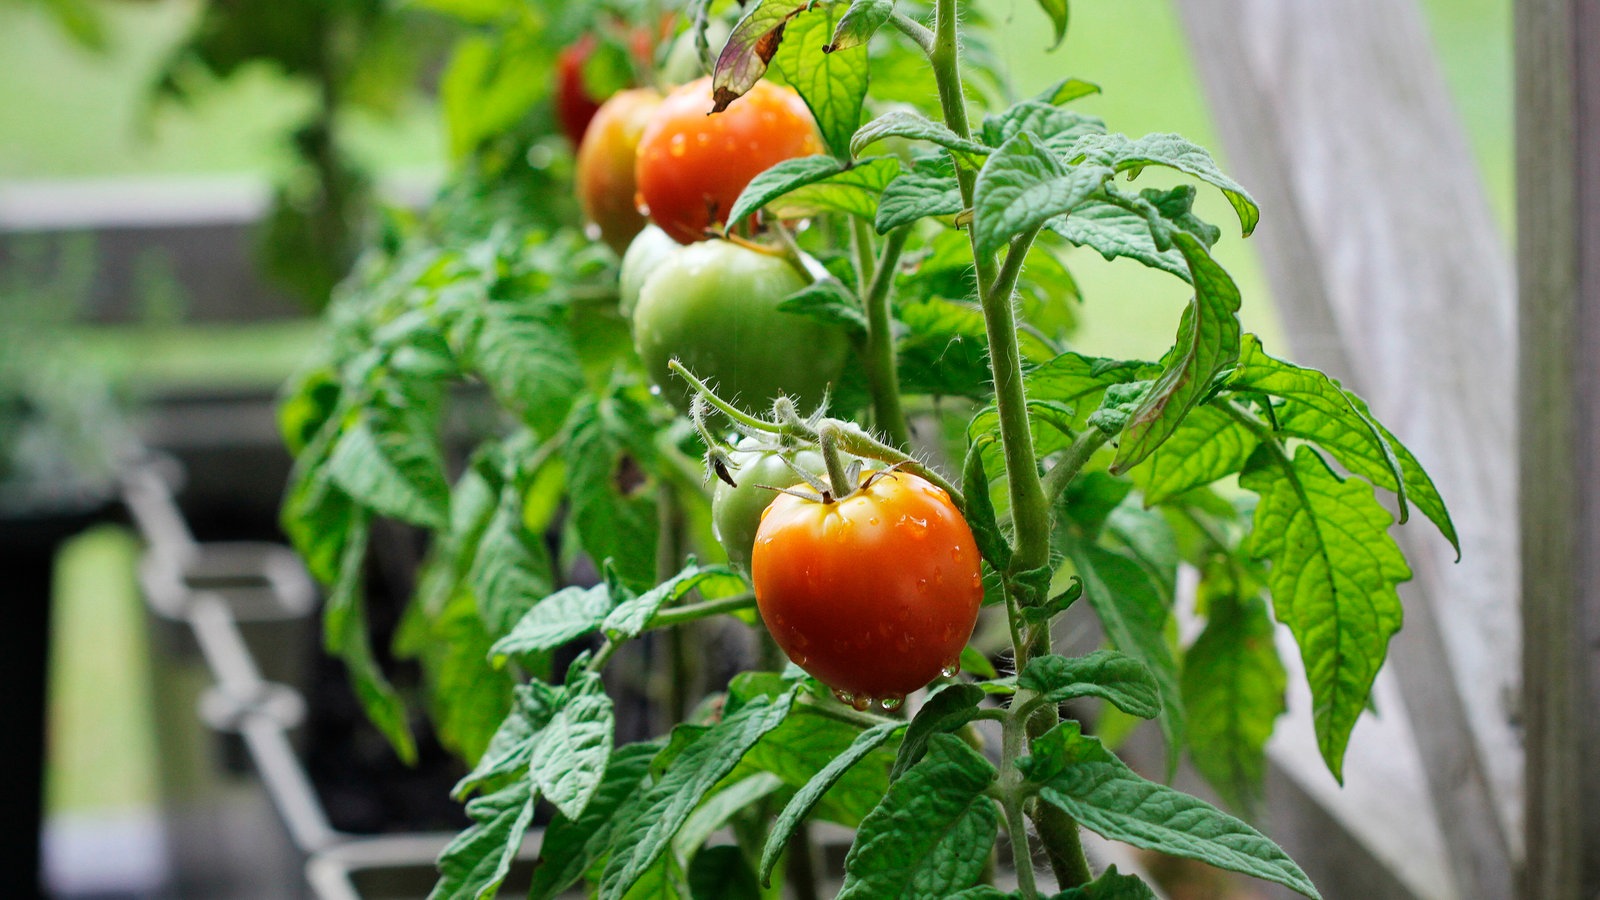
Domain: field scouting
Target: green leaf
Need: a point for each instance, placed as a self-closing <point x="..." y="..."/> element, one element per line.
<point x="1210" y="444"/>
<point x="1207" y="344"/>
<point x="1081" y="778"/>
<point x="389" y="460"/>
<point x="1107" y="674"/>
<point x="317" y="515"/>
<point x="929" y="188"/>
<point x="1113" y="231"/>
<point x="945" y="710"/>
<point x="1022" y="186"/>
<point x="1130" y="608"/>
<point x="512" y="745"/>
<point x="529" y="363"/>
<point x="1319" y="410"/>
<point x="974" y="663"/>
<point x="783" y="178"/>
<point x="1233" y="684"/>
<point x="810" y="185"/>
<point x="1090" y="499"/>
<point x="828" y="300"/>
<point x="564" y="616"/>
<point x="344" y="629"/>
<point x="1056" y="129"/>
<point x="573" y="749"/>
<point x="1174" y="152"/>
<point x="657" y="815"/>
<point x="1057" y="11"/>
<point x="722" y="873"/>
<point x="478" y="859"/>
<point x="902" y="123"/>
<point x="571" y="846"/>
<point x="804" y="745"/>
<point x="979" y="511"/>
<point x="615" y="520"/>
<point x="632" y="617"/>
<point x="466" y="698"/>
<point x="1333" y="577"/>
<point x="932" y="834"/>
<point x="806" y="799"/>
<point x="832" y="82"/>
<point x="511" y="570"/>
<point x="1067" y="90"/>
<point x="716" y="810"/>
<point x="860" y="22"/>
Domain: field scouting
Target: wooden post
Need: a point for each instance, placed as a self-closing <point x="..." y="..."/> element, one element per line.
<point x="1558" y="282"/>
<point x="1385" y="260"/>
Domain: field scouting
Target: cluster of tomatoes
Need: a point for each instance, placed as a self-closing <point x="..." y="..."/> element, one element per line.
<point x="872" y="588"/>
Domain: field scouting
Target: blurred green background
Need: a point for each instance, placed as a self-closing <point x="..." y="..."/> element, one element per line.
<point x="69" y="112"/>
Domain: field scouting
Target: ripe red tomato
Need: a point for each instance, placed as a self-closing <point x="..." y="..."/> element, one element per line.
<point x="692" y="165"/>
<point x="875" y="594"/>
<point x="574" y="106"/>
<point x="604" y="173"/>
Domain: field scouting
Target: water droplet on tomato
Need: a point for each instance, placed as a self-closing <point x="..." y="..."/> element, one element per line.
<point x="703" y="139"/>
<point x="678" y="146"/>
<point x="922" y="585"/>
<point x="844" y="696"/>
<point x="863" y="703"/>
<point x="950" y="669"/>
<point x="873" y="521"/>
<point x="891" y="702"/>
<point x="800" y="659"/>
<point x="955" y="552"/>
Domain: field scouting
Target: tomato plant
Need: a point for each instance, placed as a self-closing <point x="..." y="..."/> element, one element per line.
<point x="908" y="310"/>
<point x="715" y="306"/>
<point x="605" y="165"/>
<point x="692" y="166"/>
<point x="874" y="591"/>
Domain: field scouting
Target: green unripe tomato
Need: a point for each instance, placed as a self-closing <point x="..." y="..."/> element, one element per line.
<point x="644" y="256"/>
<point x="736" y="511"/>
<point x="713" y="305"/>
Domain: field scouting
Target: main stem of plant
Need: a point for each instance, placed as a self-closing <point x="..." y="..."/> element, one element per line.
<point x="1030" y="507"/>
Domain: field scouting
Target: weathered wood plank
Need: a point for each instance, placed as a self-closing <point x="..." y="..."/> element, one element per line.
<point x="1383" y="256"/>
<point x="1558" y="282"/>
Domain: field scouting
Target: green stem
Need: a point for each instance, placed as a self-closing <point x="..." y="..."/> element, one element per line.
<point x="881" y="373"/>
<point x="911" y="28"/>
<point x="1072" y="462"/>
<point x="859" y="443"/>
<point x="1010" y="789"/>
<point x="1030" y="508"/>
<point x="721" y="405"/>
<point x="1021" y="856"/>
<point x="693" y="612"/>
<point x="838" y="475"/>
